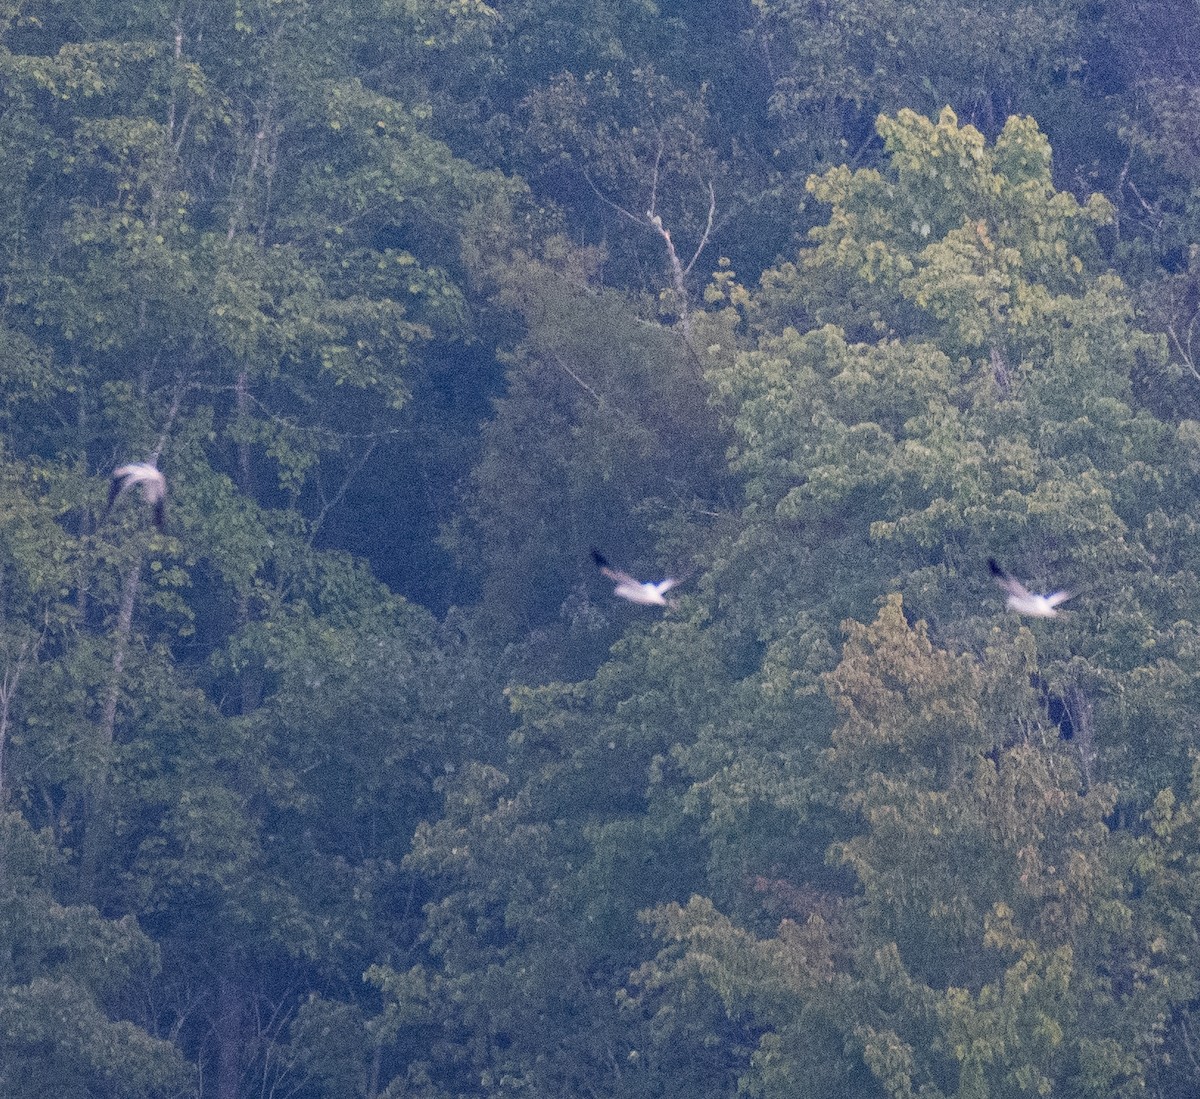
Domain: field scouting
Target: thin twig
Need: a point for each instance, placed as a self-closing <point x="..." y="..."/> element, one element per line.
<point x="292" y="425"/>
<point x="712" y="209"/>
<point x="608" y="201"/>
<point x="329" y="505"/>
<point x="577" y="379"/>
<point x="1185" y="351"/>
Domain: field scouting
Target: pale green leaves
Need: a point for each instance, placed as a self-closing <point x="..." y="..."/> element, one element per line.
<point x="962" y="231"/>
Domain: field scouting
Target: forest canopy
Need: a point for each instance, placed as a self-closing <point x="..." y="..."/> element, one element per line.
<point x="348" y="774"/>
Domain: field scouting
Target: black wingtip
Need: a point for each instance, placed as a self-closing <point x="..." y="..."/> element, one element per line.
<point x="160" y="514"/>
<point x="600" y="559"/>
<point x="994" y="568"/>
<point x="114" y="490"/>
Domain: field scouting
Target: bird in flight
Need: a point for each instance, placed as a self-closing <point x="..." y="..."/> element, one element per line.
<point x="636" y="591"/>
<point x="154" y="488"/>
<point x="1021" y="599"/>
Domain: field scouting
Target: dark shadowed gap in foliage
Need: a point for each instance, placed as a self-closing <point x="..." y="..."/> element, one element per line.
<point x="1057" y="710"/>
<point x="716" y="39"/>
<point x="393" y="511"/>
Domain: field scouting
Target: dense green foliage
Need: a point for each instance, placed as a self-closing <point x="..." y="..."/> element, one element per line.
<point x="355" y="781"/>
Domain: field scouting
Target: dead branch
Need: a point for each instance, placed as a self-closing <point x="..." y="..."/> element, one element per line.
<point x="652" y="220"/>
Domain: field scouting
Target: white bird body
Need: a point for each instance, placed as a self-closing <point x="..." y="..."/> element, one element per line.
<point x="1023" y="601"/>
<point x="643" y="592"/>
<point x="153" y="485"/>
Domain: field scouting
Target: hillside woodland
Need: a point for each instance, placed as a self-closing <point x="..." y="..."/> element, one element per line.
<point x="354" y="780"/>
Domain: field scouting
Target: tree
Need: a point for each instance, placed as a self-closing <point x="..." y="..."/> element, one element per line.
<point x="964" y="392"/>
<point x="212" y="258"/>
<point x="962" y="388"/>
<point x="989" y="947"/>
<point x="67" y="978"/>
<point x="602" y="433"/>
<point x="537" y="869"/>
<point x="837" y="64"/>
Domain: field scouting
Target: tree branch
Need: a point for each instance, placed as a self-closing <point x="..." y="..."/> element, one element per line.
<point x="347" y="481"/>
<point x="653" y="221"/>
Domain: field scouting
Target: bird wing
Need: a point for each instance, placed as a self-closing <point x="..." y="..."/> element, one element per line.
<point x="621" y="579"/>
<point x="615" y="575"/>
<point x="664" y="586"/>
<point x="116" y="486"/>
<point x="1059" y="597"/>
<point x="1007" y="581"/>
<point x="154" y="486"/>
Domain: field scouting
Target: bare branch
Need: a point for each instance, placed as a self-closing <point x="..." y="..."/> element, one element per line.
<point x="8" y="689"/>
<point x="712" y="209"/>
<point x="122" y="634"/>
<point x="1154" y="215"/>
<point x="677" y="273"/>
<point x="328" y="505"/>
<point x="302" y="429"/>
<point x="653" y="211"/>
<point x="1184" y="347"/>
<point x="652" y="220"/>
<point x="577" y="379"/>
<point x="608" y="201"/>
<point x="172" y="412"/>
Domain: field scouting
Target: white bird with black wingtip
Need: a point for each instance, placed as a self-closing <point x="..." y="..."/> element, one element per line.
<point x="1021" y="599"/>
<point x="153" y="485"/>
<point x="636" y="591"/>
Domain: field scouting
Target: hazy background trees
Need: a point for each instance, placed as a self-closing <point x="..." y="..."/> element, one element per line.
<point x="357" y="781"/>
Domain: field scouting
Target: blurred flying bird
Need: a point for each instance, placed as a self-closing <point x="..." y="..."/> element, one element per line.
<point x="1021" y="599"/>
<point x="154" y="488"/>
<point x="636" y="591"/>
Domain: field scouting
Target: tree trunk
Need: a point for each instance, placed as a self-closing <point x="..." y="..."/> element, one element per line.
<point x="97" y="830"/>
<point x="229" y="1034"/>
